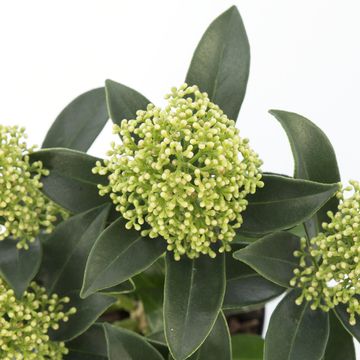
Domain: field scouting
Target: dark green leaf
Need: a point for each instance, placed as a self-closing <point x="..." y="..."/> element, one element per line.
<point x="343" y="316"/>
<point x="89" y="346"/>
<point x="126" y="345"/>
<point x="19" y="267"/>
<point x="217" y="345"/>
<point x="123" y="102"/>
<point x="66" y="250"/>
<point x="88" y="311"/>
<point x="157" y="336"/>
<point x="296" y="332"/>
<point x="157" y="340"/>
<point x="246" y="287"/>
<point x="340" y="344"/>
<point x="150" y="289"/>
<point x="194" y="292"/>
<point x="314" y="158"/>
<point x="241" y="239"/>
<point x="159" y="345"/>
<point x="283" y="203"/>
<point x="247" y="347"/>
<point x="117" y="255"/>
<point x="65" y="254"/>
<point x="71" y="183"/>
<point x="221" y="62"/>
<point x="79" y="123"/>
<point x="125" y="287"/>
<point x="272" y="257"/>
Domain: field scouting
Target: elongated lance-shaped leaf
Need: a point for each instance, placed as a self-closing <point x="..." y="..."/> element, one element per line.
<point x="17" y="266"/>
<point x="283" y="203"/>
<point x="245" y="287"/>
<point x="217" y="345"/>
<point x="62" y="269"/>
<point x="296" y="332"/>
<point x="89" y="346"/>
<point x="272" y="257"/>
<point x="125" y="287"/>
<point x="117" y="255"/>
<point x="71" y="182"/>
<point x="194" y="292"/>
<point x="123" y="102"/>
<point x="79" y="123"/>
<point x="221" y="62"/>
<point x="127" y="345"/>
<point x="314" y="159"/>
<point x="340" y="344"/>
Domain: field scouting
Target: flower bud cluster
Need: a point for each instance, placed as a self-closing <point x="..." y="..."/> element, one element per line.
<point x="25" y="323"/>
<point x="182" y="173"/>
<point x="24" y="210"/>
<point x="333" y="277"/>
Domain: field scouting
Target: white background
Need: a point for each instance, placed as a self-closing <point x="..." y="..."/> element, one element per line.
<point x="305" y="58"/>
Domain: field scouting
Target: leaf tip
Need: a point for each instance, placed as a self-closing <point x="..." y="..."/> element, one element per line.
<point x="85" y="292"/>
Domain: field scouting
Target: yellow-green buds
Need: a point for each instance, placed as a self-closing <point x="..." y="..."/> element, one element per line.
<point x="183" y="171"/>
<point x="25" y="323"/>
<point x="24" y="210"/>
<point x="329" y="272"/>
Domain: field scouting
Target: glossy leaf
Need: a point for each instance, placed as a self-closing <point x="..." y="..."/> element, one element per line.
<point x="217" y="345"/>
<point x="117" y="255"/>
<point x="79" y="123"/>
<point x="125" y="287"/>
<point x="150" y="289"/>
<point x="71" y="182"/>
<point x="159" y="343"/>
<point x="283" y="203"/>
<point x="245" y="287"/>
<point x="272" y="257"/>
<point x="343" y="316"/>
<point x="65" y="254"/>
<point x="340" y="344"/>
<point x="89" y="346"/>
<point x="88" y="311"/>
<point x="19" y="267"/>
<point x="247" y="347"/>
<point x="296" y="332"/>
<point x="194" y="292"/>
<point x="314" y="158"/>
<point x="126" y="345"/>
<point x="221" y="62"/>
<point x="123" y="102"/>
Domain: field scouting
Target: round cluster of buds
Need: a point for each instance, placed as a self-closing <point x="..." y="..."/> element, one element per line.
<point x="329" y="272"/>
<point x="182" y="173"/>
<point x="25" y="323"/>
<point x="24" y="210"/>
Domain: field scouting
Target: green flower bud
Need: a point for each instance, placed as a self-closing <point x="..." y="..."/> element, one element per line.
<point x="184" y="171"/>
<point x="335" y="275"/>
<point x="24" y="324"/>
<point x="24" y="210"/>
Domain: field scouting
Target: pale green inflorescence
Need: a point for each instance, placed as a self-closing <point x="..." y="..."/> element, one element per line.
<point x="329" y="272"/>
<point x="25" y="323"/>
<point x="183" y="172"/>
<point x="24" y="210"/>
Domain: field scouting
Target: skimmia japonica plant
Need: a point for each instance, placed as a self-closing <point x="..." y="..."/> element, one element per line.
<point x="180" y="228"/>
